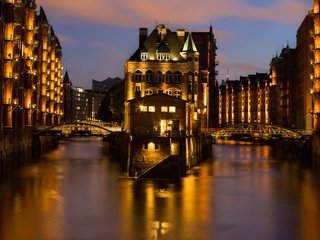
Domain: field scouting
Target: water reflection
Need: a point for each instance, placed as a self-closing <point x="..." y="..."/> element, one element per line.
<point x="242" y="192"/>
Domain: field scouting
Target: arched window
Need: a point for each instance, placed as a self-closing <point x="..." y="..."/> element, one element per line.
<point x="149" y="92"/>
<point x="159" y="77"/>
<point x="168" y="92"/>
<point x="149" y="76"/>
<point x="138" y="76"/>
<point x="169" y="77"/>
<point x="177" y="77"/>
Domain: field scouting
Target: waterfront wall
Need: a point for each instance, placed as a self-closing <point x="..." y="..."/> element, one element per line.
<point x="315" y="150"/>
<point x="19" y="148"/>
<point x="160" y="157"/>
<point x="300" y="149"/>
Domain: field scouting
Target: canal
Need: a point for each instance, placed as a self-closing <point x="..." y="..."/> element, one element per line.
<point x="78" y="192"/>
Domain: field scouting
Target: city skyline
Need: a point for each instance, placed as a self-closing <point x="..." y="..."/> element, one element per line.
<point x="98" y="36"/>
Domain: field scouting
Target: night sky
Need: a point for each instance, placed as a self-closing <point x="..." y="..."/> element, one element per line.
<point x="97" y="36"/>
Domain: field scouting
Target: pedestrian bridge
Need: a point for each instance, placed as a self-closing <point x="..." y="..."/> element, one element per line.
<point x="84" y="128"/>
<point x="255" y="132"/>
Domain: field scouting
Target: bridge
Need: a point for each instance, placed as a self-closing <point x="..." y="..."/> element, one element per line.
<point x="81" y="128"/>
<point x="253" y="131"/>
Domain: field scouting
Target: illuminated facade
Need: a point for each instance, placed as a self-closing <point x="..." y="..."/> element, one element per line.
<point x="316" y="65"/>
<point x="283" y="72"/>
<point x="174" y="64"/>
<point x="246" y="100"/>
<point x="30" y="68"/>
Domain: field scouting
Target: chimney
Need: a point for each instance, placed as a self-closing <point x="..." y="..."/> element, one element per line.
<point x="181" y="34"/>
<point x="143" y="34"/>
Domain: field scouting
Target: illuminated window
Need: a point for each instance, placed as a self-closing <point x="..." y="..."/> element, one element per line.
<point x="172" y="109"/>
<point x="149" y="92"/>
<point x="177" y="94"/>
<point x="164" y="108"/>
<point x="143" y="108"/>
<point x="168" y="92"/>
<point x="78" y="107"/>
<point x="163" y="56"/>
<point x="151" y="108"/>
<point x="144" y="56"/>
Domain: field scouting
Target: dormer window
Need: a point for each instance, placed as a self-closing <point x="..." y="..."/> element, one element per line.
<point x="163" y="56"/>
<point x="144" y="56"/>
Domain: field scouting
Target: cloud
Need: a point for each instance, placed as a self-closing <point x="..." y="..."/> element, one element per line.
<point x="139" y="12"/>
<point x="67" y="39"/>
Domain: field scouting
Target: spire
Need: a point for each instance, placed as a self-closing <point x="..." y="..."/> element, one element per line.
<point x="66" y="78"/>
<point x="189" y="45"/>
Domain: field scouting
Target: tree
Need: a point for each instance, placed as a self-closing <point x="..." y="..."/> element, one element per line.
<point x="104" y="113"/>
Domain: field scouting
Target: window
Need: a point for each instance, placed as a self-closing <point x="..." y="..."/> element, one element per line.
<point x="149" y="76"/>
<point x="138" y="76"/>
<point x="169" y="77"/>
<point x="149" y="92"/>
<point x="151" y="108"/>
<point x="163" y="56"/>
<point x="177" y="77"/>
<point x="168" y="92"/>
<point x="143" y="108"/>
<point x="159" y="77"/>
<point x="177" y="93"/>
<point x="172" y="109"/>
<point x="164" y="108"/>
<point x="138" y="88"/>
<point x="144" y="56"/>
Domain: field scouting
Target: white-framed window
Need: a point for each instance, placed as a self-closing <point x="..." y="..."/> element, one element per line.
<point x="149" y="92"/>
<point x="164" y="108"/>
<point x="163" y="56"/>
<point x="144" y="56"/>
<point x="172" y="109"/>
<point x="177" y="93"/>
<point x="168" y="92"/>
<point x="151" y="108"/>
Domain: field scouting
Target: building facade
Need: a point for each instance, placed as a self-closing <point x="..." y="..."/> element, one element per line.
<point x="30" y="79"/>
<point x="247" y="100"/>
<point x="30" y="67"/>
<point x="170" y="63"/>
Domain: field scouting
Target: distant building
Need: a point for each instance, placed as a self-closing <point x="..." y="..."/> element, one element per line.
<point x="173" y="64"/>
<point x="283" y="72"/>
<point x="68" y="101"/>
<point x="105" y="85"/>
<point x="81" y="104"/>
<point x="246" y="100"/>
<point x="94" y="102"/>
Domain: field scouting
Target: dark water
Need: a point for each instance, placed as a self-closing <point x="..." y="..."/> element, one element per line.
<point x="243" y="192"/>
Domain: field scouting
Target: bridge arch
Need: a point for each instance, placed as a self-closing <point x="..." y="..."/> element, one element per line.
<point x="81" y="127"/>
<point x="254" y="131"/>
